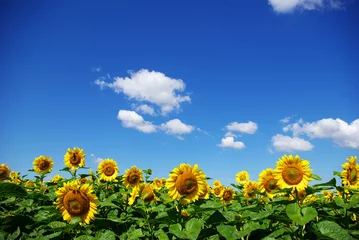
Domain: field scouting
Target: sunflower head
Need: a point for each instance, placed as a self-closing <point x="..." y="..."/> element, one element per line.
<point x="14" y="175"/>
<point x="133" y="177"/>
<point x="74" y="158"/>
<point x="292" y="172"/>
<point x="267" y="182"/>
<point x="57" y="178"/>
<point x="146" y="192"/>
<point x="43" y="164"/>
<point x="108" y="170"/>
<point x="248" y="189"/>
<point x="163" y="181"/>
<point x="76" y="200"/>
<point x="328" y="195"/>
<point x="206" y="192"/>
<point x="186" y="183"/>
<point x="350" y="173"/>
<point x="157" y="183"/>
<point x="217" y="183"/>
<point x="134" y="194"/>
<point x="217" y="190"/>
<point x="242" y="177"/>
<point x="227" y="195"/>
<point x="4" y="172"/>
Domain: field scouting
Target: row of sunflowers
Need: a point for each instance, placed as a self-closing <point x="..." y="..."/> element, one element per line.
<point x="105" y="205"/>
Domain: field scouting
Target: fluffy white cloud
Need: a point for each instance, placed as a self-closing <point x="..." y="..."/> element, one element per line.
<point x="287" y="6"/>
<point x="131" y="119"/>
<point x="228" y="142"/>
<point x="154" y="87"/>
<point x="175" y="126"/>
<point x="145" y="109"/>
<point x="230" y="134"/>
<point x="250" y="127"/>
<point x="282" y="143"/>
<point x="342" y="133"/>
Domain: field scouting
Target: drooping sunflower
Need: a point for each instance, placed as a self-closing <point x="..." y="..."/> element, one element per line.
<point x="249" y="187"/>
<point x="227" y="195"/>
<point x="292" y="172"/>
<point x="43" y="164"/>
<point x="242" y="177"/>
<point x="4" y="172"/>
<point x="186" y="183"/>
<point x="217" y="190"/>
<point x="133" y="177"/>
<point x="108" y="170"/>
<point x="206" y="192"/>
<point x="57" y="178"/>
<point x="74" y="158"/>
<point x="350" y="173"/>
<point x="267" y="182"/>
<point x="146" y="192"/>
<point x="76" y="200"/>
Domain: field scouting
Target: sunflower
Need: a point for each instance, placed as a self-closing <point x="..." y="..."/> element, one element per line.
<point x="133" y="177"/>
<point x="350" y="173"/>
<point x="146" y="192"/>
<point x="74" y="158"/>
<point x="4" y="172"/>
<point x="14" y="175"/>
<point x="301" y="194"/>
<point x="242" y="177"/>
<point x="292" y="172"/>
<point x="30" y="184"/>
<point x="83" y="180"/>
<point x="163" y="181"/>
<point x="227" y="195"/>
<point x="133" y="195"/>
<point x="43" y="164"/>
<point x="217" y="190"/>
<point x="328" y="195"/>
<point x="108" y="170"/>
<point x="267" y="183"/>
<point x="185" y="213"/>
<point x="217" y="183"/>
<point x="75" y="200"/>
<point x="186" y="183"/>
<point x="57" y="178"/>
<point x="206" y="192"/>
<point x="249" y="187"/>
<point x="157" y="183"/>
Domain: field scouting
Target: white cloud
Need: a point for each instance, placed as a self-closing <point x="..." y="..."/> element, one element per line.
<point x="288" y="6"/>
<point x="153" y="87"/>
<point x="98" y="160"/>
<point x="131" y="119"/>
<point x="96" y="69"/>
<point x="175" y="126"/>
<point x="290" y="144"/>
<point x="145" y="109"/>
<point x="230" y="134"/>
<point x="250" y="127"/>
<point x="180" y="138"/>
<point x="285" y="120"/>
<point x="341" y="133"/>
<point x="228" y="142"/>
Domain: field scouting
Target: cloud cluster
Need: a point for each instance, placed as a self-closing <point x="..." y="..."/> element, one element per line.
<point x="131" y="119"/>
<point x="176" y="127"/>
<point x="288" y="6"/>
<point x="249" y="127"/>
<point x="152" y="87"/>
<point x="228" y="142"/>
<point x="282" y="143"/>
<point x="229" y="138"/>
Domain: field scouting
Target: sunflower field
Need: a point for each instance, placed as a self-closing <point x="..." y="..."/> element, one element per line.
<point x="101" y="204"/>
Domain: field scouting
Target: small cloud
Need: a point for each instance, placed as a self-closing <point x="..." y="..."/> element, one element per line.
<point x="175" y="127"/>
<point x="98" y="160"/>
<point x="92" y="155"/>
<point x="228" y="142"/>
<point x="180" y="138"/>
<point x="131" y="119"/>
<point x="145" y="109"/>
<point x="285" y="120"/>
<point x="249" y="128"/>
<point x="230" y="134"/>
<point x="289" y="6"/>
<point x="96" y="69"/>
<point x="282" y="143"/>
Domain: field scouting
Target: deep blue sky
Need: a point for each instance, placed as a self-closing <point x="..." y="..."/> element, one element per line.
<point x="240" y="60"/>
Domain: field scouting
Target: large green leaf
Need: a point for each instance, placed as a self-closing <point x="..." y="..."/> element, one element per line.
<point x="193" y="228"/>
<point x="176" y="229"/>
<point x="14" y="235"/>
<point x="228" y="232"/>
<point x="135" y="234"/>
<point x="161" y="235"/>
<point x="354" y="200"/>
<point x="11" y="190"/>
<point x="300" y="216"/>
<point x="216" y="217"/>
<point x="105" y="235"/>
<point x="333" y="230"/>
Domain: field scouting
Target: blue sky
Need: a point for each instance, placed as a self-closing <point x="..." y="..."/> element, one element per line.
<point x="156" y="84"/>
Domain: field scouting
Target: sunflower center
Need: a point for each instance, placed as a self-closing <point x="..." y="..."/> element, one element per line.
<point x="292" y="175"/>
<point x="133" y="178"/>
<point x="271" y="185"/>
<point x="76" y="159"/>
<point x="76" y="203"/>
<point x="242" y="178"/>
<point x="83" y="180"/>
<point x="227" y="195"/>
<point x="147" y="190"/>
<point x="2" y="173"/>
<point x="353" y="176"/>
<point x="109" y="171"/>
<point x="44" y="165"/>
<point x="186" y="183"/>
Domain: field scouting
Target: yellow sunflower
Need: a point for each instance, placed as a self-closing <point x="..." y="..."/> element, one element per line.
<point x="267" y="183"/>
<point x="301" y="194"/>
<point x="206" y="192"/>
<point x="30" y="184"/>
<point x="75" y="200"/>
<point x="242" y="177"/>
<point x="146" y="192"/>
<point x="328" y="195"/>
<point x="227" y="195"/>
<point x="292" y="172"/>
<point x="134" y="194"/>
<point x="133" y="177"/>
<point x="74" y="158"/>
<point x="83" y="180"/>
<point x="350" y="173"/>
<point x="163" y="181"/>
<point x="57" y="178"/>
<point x="4" y="172"/>
<point x="217" y="183"/>
<point x="157" y="183"/>
<point x="108" y="170"/>
<point x="186" y="183"/>
<point x="217" y="190"/>
<point x="43" y="164"/>
<point x="249" y="187"/>
<point x="14" y="175"/>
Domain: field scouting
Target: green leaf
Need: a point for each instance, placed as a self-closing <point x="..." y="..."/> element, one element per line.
<point x="336" y="173"/>
<point x="228" y="232"/>
<point x="333" y="230"/>
<point x="66" y="169"/>
<point x="331" y="183"/>
<point x="75" y="220"/>
<point x="135" y="234"/>
<point x="51" y="236"/>
<point x="108" y="204"/>
<point x="161" y="235"/>
<point x="176" y="229"/>
<point x="300" y="216"/>
<point x="216" y="217"/>
<point x="14" y="235"/>
<point x="11" y="190"/>
<point x="277" y="233"/>
<point x="193" y="228"/>
<point x="316" y="177"/>
<point x="85" y="237"/>
<point x="57" y="224"/>
<point x="105" y="235"/>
